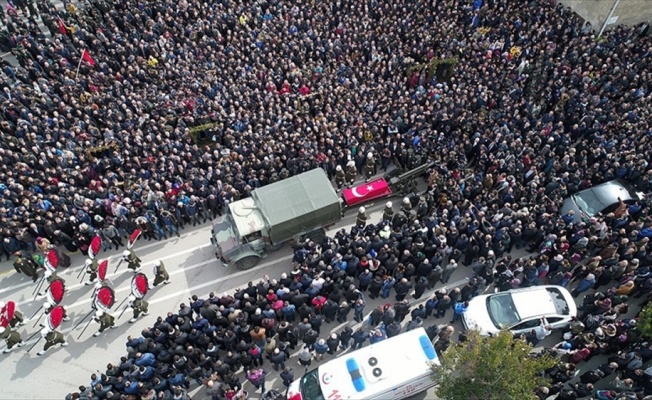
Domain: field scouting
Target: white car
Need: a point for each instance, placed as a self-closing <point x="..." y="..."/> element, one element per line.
<point x="520" y="310"/>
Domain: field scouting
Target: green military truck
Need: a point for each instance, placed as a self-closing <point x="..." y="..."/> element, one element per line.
<point x="294" y="208"/>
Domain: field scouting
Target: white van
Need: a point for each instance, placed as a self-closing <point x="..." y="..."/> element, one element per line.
<point x="394" y="368"/>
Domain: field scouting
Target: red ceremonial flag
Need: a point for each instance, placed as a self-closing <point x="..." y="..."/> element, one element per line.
<point x="86" y="56"/>
<point x="365" y="192"/>
<point x="62" y="26"/>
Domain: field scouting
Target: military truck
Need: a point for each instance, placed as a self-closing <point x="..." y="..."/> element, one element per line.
<point x="291" y="209"/>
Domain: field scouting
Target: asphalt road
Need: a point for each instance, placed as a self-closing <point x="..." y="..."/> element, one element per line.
<point x="193" y="268"/>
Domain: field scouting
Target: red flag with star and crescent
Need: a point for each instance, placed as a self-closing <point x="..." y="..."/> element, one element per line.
<point x="366" y="192"/>
<point x="62" y="26"/>
<point x="86" y="56"/>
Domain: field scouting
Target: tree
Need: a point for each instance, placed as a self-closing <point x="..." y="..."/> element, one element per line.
<point x="488" y="368"/>
<point x="644" y="322"/>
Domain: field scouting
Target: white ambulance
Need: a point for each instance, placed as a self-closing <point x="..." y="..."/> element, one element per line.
<point x="395" y="368"/>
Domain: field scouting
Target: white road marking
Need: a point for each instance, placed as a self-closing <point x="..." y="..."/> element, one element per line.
<point x="74" y="270"/>
<point x="187" y="290"/>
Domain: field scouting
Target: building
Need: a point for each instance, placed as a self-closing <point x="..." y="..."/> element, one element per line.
<point x="605" y="14"/>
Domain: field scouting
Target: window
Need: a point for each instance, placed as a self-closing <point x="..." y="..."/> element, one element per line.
<point x="251" y="237"/>
<point x="310" y="389"/>
<point x="502" y="311"/>
<point x="561" y="306"/>
<point x="527" y="325"/>
<point x="588" y="202"/>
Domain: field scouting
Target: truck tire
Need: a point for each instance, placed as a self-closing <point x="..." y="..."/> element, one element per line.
<point x="274" y="247"/>
<point x="246" y="263"/>
<point x="317" y="236"/>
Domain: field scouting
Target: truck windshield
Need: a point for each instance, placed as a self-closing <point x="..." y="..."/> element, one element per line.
<point x="310" y="389"/>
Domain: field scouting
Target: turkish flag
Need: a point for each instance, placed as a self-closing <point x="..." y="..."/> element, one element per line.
<point x="366" y="192"/>
<point x="86" y="56"/>
<point x="62" y="26"/>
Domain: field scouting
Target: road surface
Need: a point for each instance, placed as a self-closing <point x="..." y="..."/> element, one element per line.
<point x="193" y="269"/>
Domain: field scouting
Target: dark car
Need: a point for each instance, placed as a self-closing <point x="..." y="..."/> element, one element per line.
<point x="600" y="199"/>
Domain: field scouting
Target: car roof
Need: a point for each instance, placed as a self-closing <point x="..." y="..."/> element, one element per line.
<point x="533" y="303"/>
<point x="609" y="192"/>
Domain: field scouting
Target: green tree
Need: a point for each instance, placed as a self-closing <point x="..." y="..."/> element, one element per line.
<point x="488" y="368"/>
<point x="644" y="323"/>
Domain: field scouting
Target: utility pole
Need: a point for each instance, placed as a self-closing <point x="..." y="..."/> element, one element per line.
<point x="611" y="13"/>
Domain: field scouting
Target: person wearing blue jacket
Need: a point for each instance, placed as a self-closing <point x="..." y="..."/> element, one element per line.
<point x="359" y="337"/>
<point x="584" y="285"/>
<point x="320" y="348"/>
<point x="378" y="336"/>
<point x="459" y="309"/>
<point x="386" y="289"/>
<point x="145" y="374"/>
<point x="132" y="387"/>
<point x="160" y="384"/>
<point x="358" y="308"/>
<point x="145" y="359"/>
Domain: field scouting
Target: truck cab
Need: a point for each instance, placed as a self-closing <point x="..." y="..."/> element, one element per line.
<point x="240" y="233"/>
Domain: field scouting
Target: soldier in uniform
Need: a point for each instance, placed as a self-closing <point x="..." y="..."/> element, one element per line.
<point x="91" y="269"/>
<point x="17" y="319"/>
<point x="105" y="320"/>
<point x="12" y="338"/>
<point x="422" y="208"/>
<point x="351" y="173"/>
<point x="52" y="338"/>
<point x="406" y="206"/>
<point x="47" y="307"/>
<point x="369" y="167"/>
<point x="340" y="177"/>
<point x="51" y="277"/>
<point x="412" y="218"/>
<point x="160" y="274"/>
<point x="133" y="261"/>
<point x="361" y="218"/>
<point x="26" y="265"/>
<point x="139" y="306"/>
<point x="388" y="212"/>
<point x="399" y="220"/>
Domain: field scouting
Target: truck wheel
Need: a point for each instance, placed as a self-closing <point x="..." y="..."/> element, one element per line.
<point x="317" y="235"/>
<point x="274" y="247"/>
<point x="246" y="263"/>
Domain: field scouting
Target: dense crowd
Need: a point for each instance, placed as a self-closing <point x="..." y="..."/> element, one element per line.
<point x="100" y="125"/>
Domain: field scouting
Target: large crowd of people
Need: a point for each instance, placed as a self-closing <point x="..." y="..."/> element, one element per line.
<point x="156" y="115"/>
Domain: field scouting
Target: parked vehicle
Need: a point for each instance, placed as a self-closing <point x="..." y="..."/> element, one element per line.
<point x="600" y="199"/>
<point x="520" y="310"/>
<point x="296" y="207"/>
<point x="395" y="368"/>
